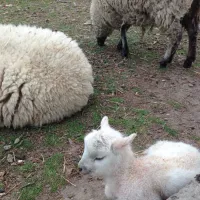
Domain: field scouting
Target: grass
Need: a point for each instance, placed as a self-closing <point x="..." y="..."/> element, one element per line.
<point x="52" y="171"/>
<point x="110" y="85"/>
<point x="164" y="125"/>
<point x="141" y="122"/>
<point x="137" y="90"/>
<point x="1" y="185"/>
<point x="30" y="192"/>
<point x="96" y="117"/>
<point x="176" y="105"/>
<point x="117" y="100"/>
<point x="196" y="138"/>
<point x="26" y="144"/>
<point x="52" y="140"/>
<point x="50" y="175"/>
<point x="27" y="167"/>
<point x="75" y="129"/>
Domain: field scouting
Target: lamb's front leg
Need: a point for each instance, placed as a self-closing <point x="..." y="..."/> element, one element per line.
<point x="109" y="192"/>
<point x="175" y="36"/>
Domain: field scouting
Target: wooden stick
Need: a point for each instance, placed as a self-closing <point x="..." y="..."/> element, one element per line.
<point x="10" y="190"/>
<point x="69" y="181"/>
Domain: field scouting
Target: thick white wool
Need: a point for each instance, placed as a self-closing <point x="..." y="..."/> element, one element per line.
<point x="44" y="76"/>
<point x="107" y="15"/>
<point x="165" y="168"/>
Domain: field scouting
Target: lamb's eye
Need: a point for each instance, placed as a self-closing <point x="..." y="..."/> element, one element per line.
<point x="99" y="158"/>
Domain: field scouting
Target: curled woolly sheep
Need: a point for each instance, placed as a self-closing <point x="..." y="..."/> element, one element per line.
<point x="172" y="17"/>
<point x="44" y="76"/>
<point x="160" y="172"/>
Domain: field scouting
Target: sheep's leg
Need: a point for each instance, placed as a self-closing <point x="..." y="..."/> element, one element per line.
<point x="101" y="41"/>
<point x="119" y="45"/>
<point x="191" y="23"/>
<point x="175" y="36"/>
<point x="123" y="45"/>
<point x="192" y="34"/>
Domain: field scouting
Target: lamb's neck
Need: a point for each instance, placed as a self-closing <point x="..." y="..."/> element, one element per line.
<point x="122" y="166"/>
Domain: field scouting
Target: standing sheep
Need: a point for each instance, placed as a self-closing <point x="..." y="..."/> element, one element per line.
<point x="162" y="171"/>
<point x="44" y="76"/>
<point x="171" y="16"/>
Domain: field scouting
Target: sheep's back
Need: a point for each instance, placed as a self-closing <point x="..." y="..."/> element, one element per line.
<point x="161" y="13"/>
<point x="44" y="76"/>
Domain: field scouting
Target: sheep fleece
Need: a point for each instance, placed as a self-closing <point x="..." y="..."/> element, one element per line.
<point x="44" y="76"/>
<point x="161" y="13"/>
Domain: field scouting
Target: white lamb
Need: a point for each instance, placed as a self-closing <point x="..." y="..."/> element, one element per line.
<point x="44" y="76"/>
<point x="166" y="167"/>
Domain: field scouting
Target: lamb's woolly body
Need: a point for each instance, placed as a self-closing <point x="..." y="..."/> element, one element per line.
<point x="165" y="168"/>
<point x="44" y="76"/>
<point x="112" y="13"/>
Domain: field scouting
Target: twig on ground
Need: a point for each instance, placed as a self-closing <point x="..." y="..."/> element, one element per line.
<point x="28" y="184"/>
<point x="42" y="158"/>
<point x="11" y="189"/>
<point x="68" y="181"/>
<point x="3" y="159"/>
<point x="14" y="158"/>
<point x="64" y="165"/>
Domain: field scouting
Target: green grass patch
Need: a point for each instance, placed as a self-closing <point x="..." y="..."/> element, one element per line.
<point x="53" y="170"/>
<point x="96" y="118"/>
<point x="26" y="144"/>
<point x="181" y="52"/>
<point x="52" y="139"/>
<point x="30" y="192"/>
<point x="176" y="105"/>
<point x="140" y="122"/>
<point x="196" y="138"/>
<point x="110" y="85"/>
<point x="166" y="128"/>
<point x="74" y="128"/>
<point x="197" y="64"/>
<point x="137" y="123"/>
<point x="27" y="167"/>
<point x="117" y="100"/>
<point x="1" y="185"/>
<point x="137" y="90"/>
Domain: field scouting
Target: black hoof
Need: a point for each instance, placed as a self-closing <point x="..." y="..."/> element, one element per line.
<point x="187" y="63"/>
<point x="163" y="64"/>
<point x="101" y="41"/>
<point x="119" y="46"/>
<point x="125" y="53"/>
<point x="197" y="177"/>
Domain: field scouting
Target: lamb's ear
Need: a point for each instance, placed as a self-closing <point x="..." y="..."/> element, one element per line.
<point x="122" y="142"/>
<point x="104" y="122"/>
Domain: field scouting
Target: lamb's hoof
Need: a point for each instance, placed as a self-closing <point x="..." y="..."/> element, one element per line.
<point x="163" y="64"/>
<point x="197" y="177"/>
<point x="187" y="63"/>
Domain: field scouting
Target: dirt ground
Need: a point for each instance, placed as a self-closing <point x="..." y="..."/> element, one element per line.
<point x="134" y="93"/>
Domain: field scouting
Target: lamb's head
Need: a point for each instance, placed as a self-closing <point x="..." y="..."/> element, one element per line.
<point x="103" y="149"/>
